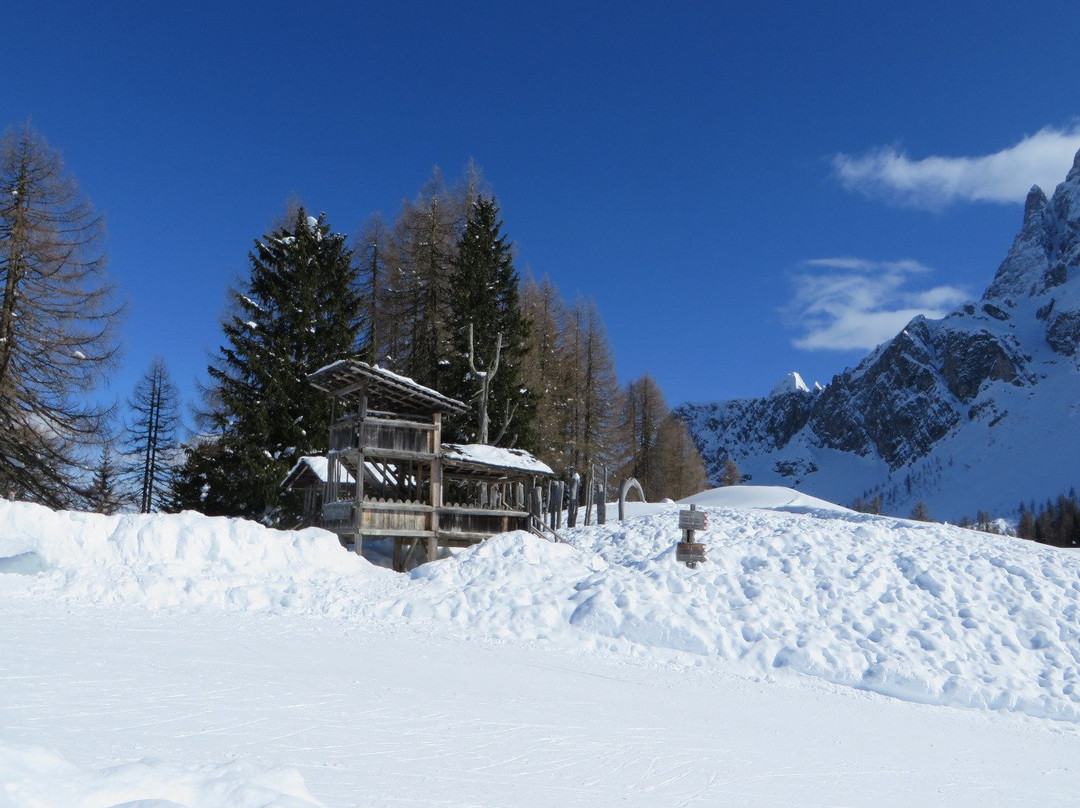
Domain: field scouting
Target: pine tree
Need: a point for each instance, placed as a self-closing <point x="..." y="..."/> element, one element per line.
<point x="484" y="301"/>
<point x="105" y="494"/>
<point x="920" y="512"/>
<point x="300" y="310"/>
<point x="57" y="323"/>
<point x="152" y="438"/>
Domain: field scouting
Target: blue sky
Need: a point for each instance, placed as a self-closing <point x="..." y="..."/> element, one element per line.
<point x="745" y="189"/>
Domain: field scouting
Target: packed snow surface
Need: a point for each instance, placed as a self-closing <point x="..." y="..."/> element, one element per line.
<point x="137" y="622"/>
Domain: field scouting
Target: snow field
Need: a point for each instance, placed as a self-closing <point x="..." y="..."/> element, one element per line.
<point x="294" y="653"/>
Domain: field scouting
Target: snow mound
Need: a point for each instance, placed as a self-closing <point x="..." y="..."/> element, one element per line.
<point x="185" y="561"/>
<point x="34" y="776"/>
<point x="921" y="612"/>
<point x="773" y="497"/>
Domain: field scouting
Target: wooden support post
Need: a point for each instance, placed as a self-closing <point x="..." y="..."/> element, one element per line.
<point x="588" y="492"/>
<point x="399" y="564"/>
<point x="436" y="489"/>
<point x="572" y="501"/>
<point x="409" y="555"/>
<point x="557" y="505"/>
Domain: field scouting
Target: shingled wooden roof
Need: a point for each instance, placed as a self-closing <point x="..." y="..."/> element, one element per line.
<point x="351" y="378"/>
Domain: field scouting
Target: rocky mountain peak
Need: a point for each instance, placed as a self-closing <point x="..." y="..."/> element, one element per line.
<point x="1046" y="247"/>
<point x="1035" y="202"/>
<point x="1075" y="167"/>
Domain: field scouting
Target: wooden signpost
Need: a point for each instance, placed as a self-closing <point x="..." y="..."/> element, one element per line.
<point x="688" y="551"/>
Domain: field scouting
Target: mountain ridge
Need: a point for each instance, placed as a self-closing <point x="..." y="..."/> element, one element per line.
<point x="976" y="410"/>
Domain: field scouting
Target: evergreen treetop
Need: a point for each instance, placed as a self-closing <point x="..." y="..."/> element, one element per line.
<point x="300" y="309"/>
<point x="484" y="294"/>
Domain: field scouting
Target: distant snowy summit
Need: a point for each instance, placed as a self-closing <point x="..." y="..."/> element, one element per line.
<point x="975" y="411"/>
<point x="793" y="383"/>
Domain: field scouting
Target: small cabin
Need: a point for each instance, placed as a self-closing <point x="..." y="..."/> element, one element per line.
<point x="388" y="475"/>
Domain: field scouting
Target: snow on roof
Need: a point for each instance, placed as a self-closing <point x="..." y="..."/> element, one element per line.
<point x="320" y="466"/>
<point x="495" y="456"/>
<point x="381" y="384"/>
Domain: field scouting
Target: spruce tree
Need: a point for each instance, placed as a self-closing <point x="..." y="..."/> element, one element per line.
<point x="105" y="494"/>
<point x="484" y="295"/>
<point x="300" y="309"/>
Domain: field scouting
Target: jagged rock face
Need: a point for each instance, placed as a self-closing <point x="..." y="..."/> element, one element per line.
<point x="970" y="360"/>
<point x="769" y="423"/>
<point x="890" y="404"/>
<point x="1064" y="333"/>
<point x="935" y="379"/>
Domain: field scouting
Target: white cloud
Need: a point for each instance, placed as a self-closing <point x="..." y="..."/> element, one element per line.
<point x="852" y="303"/>
<point x="1006" y="176"/>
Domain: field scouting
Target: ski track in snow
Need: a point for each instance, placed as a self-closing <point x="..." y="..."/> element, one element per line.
<point x="210" y="662"/>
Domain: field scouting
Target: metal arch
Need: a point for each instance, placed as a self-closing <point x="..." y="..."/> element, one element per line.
<point x="629" y="484"/>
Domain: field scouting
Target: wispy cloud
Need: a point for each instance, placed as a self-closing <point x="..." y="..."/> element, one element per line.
<point x="851" y="303"/>
<point x="932" y="182"/>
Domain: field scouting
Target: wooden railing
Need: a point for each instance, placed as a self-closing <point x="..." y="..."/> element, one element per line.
<point x="480" y="521"/>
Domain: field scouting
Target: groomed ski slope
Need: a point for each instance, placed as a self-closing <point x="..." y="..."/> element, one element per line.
<point x="212" y="662"/>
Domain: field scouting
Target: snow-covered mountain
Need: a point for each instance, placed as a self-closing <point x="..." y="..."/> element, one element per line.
<point x="977" y="410"/>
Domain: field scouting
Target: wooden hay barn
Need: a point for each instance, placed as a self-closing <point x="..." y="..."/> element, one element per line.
<point x="388" y="474"/>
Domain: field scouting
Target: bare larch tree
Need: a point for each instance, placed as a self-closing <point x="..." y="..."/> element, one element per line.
<point x="57" y="322"/>
<point x="152" y="437"/>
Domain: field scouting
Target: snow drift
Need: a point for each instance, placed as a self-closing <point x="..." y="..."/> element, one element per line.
<point x="186" y="561"/>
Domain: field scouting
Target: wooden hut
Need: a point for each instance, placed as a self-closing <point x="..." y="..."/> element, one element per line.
<point x="386" y="433"/>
